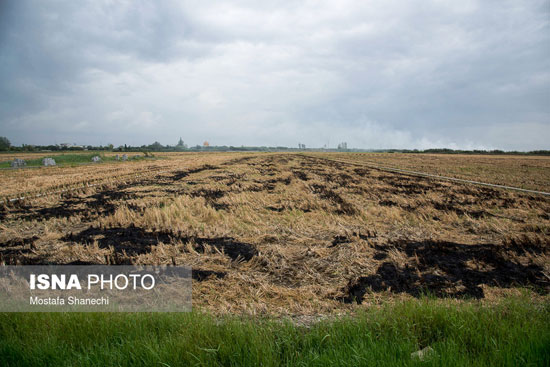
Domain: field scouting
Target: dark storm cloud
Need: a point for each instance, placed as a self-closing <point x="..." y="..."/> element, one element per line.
<point x="375" y="74"/>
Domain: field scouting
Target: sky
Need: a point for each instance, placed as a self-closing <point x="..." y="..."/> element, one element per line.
<point x="375" y="74"/>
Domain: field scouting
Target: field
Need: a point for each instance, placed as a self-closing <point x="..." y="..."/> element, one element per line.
<point x="307" y="237"/>
<point x="286" y="233"/>
<point x="528" y="172"/>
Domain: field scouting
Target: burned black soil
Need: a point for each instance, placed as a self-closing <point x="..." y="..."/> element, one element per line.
<point x="101" y="203"/>
<point x="134" y="241"/>
<point x="340" y="239"/>
<point x="300" y="175"/>
<point x="18" y="242"/>
<point x="201" y="275"/>
<point x="211" y="197"/>
<point x="106" y="200"/>
<point x="342" y="206"/>
<point x="448" y="269"/>
<point x="14" y="250"/>
<point x="407" y="207"/>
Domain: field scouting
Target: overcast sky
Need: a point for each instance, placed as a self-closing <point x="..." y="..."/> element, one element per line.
<point x="376" y="74"/>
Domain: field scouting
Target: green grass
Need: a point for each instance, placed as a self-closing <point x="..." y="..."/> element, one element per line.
<point x="512" y="333"/>
<point x="70" y="159"/>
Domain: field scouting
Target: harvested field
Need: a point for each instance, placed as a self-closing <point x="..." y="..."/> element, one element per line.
<point x="528" y="172"/>
<point x="289" y="233"/>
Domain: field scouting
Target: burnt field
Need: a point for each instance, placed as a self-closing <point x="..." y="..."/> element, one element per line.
<point x="290" y="233"/>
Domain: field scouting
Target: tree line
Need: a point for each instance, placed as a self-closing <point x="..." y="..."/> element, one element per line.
<point x="5" y="145"/>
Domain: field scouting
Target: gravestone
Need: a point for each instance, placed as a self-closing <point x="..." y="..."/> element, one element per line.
<point x="117" y="157"/>
<point x="48" y="162"/>
<point x="96" y="159"/>
<point x="124" y="157"/>
<point x="17" y="162"/>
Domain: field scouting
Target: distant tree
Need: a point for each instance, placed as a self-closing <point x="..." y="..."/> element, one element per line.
<point x="28" y="148"/>
<point x="4" y="143"/>
<point x="156" y="146"/>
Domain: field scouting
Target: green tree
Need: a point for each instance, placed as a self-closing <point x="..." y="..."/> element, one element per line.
<point x="4" y="143"/>
<point x="156" y="146"/>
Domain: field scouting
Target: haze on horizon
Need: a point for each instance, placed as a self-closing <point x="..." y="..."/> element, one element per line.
<point x="375" y="74"/>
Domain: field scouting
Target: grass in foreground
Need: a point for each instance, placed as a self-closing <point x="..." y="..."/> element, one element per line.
<point x="511" y="333"/>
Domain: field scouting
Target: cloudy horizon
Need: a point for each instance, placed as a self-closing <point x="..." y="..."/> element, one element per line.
<point x="375" y="74"/>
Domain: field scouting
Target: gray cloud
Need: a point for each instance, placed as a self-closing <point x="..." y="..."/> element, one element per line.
<point x="417" y="74"/>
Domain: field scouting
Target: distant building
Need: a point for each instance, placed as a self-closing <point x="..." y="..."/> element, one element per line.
<point x="206" y="144"/>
